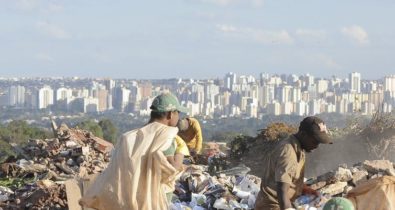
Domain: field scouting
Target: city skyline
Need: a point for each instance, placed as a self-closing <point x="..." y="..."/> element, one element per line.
<point x="233" y="95"/>
<point x="195" y="38"/>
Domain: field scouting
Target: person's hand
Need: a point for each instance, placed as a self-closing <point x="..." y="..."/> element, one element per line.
<point x="193" y="152"/>
<point x="309" y="191"/>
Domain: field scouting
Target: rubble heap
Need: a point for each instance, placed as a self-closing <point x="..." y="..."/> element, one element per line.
<point x="339" y="182"/>
<point x="196" y="189"/>
<point x="36" y="180"/>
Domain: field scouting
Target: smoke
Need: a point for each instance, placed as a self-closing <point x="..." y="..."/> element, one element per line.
<point x="347" y="150"/>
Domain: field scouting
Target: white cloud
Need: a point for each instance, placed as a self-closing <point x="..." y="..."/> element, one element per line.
<point x="311" y="34"/>
<point x="272" y="37"/>
<point x="257" y="35"/>
<point x="40" y="6"/>
<point x="257" y="3"/>
<point x="27" y="4"/>
<point x="55" y="7"/>
<point x="53" y="30"/>
<point x="356" y="33"/>
<point x="254" y="3"/>
<point x="226" y="28"/>
<point x="323" y="60"/>
<point x="44" y="57"/>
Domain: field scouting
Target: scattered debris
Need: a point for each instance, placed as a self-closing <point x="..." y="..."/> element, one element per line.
<point x="196" y="189"/>
<point x="340" y="182"/>
<point x="41" y="176"/>
<point x="37" y="180"/>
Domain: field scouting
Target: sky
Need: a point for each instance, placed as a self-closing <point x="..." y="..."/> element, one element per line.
<point x="159" y="39"/>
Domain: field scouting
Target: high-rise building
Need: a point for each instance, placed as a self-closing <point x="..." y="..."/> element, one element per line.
<point x="252" y="108"/>
<point x="45" y="97"/>
<point x="274" y="108"/>
<point x="263" y="78"/>
<point x="284" y="93"/>
<point x="314" y="107"/>
<point x="287" y="108"/>
<point x="322" y="86"/>
<point x="266" y="95"/>
<point x="16" y="96"/>
<point x="389" y="83"/>
<point x="102" y="97"/>
<point x="301" y="108"/>
<point x="355" y="82"/>
<point x="296" y="94"/>
<point x="197" y="93"/>
<point x="309" y="80"/>
<point x="122" y="96"/>
<point x="230" y="80"/>
<point x="145" y="90"/>
<point x="63" y="93"/>
<point x="210" y="91"/>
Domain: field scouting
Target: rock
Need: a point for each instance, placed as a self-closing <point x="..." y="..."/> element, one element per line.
<point x="80" y="151"/>
<point x="64" y="168"/>
<point x="318" y="185"/>
<point x="359" y="177"/>
<point x="70" y="162"/>
<point x="5" y="190"/>
<point x="45" y="183"/>
<point x="347" y="189"/>
<point x="376" y="175"/>
<point x="376" y="166"/>
<point x="334" y="189"/>
<point x="328" y="177"/>
<point x="71" y="144"/>
<point x="3" y="198"/>
<point x="343" y="174"/>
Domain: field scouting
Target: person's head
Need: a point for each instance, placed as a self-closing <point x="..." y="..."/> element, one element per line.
<point x="183" y="124"/>
<point x="165" y="109"/>
<point x="312" y="132"/>
<point x="338" y="203"/>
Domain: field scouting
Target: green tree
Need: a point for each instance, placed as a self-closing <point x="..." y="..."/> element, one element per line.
<point x="109" y="130"/>
<point x="91" y="126"/>
<point x="19" y="131"/>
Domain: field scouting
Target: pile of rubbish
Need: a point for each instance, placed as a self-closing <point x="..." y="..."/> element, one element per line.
<point x="36" y="180"/>
<point x="235" y="189"/>
<point x="230" y="189"/>
<point x="340" y="182"/>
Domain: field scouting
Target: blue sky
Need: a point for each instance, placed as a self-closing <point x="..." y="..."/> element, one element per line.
<point x="154" y="39"/>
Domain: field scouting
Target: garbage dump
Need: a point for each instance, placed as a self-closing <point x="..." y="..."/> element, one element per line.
<point x="222" y="178"/>
<point x="36" y="181"/>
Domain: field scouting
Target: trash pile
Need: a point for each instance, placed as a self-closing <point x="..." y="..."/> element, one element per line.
<point x="341" y="181"/>
<point x="37" y="179"/>
<point x="231" y="189"/>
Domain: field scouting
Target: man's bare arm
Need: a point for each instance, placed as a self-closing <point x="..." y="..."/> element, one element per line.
<point x="282" y="195"/>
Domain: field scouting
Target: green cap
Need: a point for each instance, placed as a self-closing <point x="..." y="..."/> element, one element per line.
<point x="339" y="203"/>
<point x="167" y="102"/>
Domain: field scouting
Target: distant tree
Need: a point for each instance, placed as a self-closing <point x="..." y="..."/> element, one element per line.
<point x="109" y="130"/>
<point x="91" y="126"/>
<point x="19" y="131"/>
<point x="225" y="136"/>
